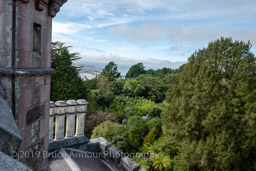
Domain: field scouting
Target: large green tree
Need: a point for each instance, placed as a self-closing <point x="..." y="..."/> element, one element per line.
<point x="65" y="83"/>
<point x="135" y="70"/>
<point x="110" y="71"/>
<point x="113" y="132"/>
<point x="133" y="88"/>
<point x="212" y="109"/>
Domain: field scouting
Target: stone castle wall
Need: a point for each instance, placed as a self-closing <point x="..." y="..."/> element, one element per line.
<point x="25" y="61"/>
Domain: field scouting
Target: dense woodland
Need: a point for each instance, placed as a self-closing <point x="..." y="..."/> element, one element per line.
<point x="201" y="116"/>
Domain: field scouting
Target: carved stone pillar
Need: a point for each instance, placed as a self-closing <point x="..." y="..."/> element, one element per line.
<point x="80" y="116"/>
<point x="71" y="116"/>
<point x="51" y="120"/>
<point x="60" y="112"/>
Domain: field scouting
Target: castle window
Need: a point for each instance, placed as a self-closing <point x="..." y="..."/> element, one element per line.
<point x="37" y="38"/>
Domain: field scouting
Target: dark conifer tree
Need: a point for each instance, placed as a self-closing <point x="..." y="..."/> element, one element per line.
<point x="135" y="70"/>
<point x="212" y="109"/>
<point x="66" y="83"/>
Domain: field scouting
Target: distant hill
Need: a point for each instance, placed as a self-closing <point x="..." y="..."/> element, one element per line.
<point x="88" y="71"/>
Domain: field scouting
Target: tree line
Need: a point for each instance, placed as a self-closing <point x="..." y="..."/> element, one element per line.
<point x="200" y="116"/>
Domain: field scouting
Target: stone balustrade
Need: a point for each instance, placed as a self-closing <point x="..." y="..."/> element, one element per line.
<point x="68" y="117"/>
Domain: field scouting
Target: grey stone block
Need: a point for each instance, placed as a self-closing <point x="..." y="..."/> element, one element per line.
<point x="129" y="164"/>
<point x="35" y="112"/>
<point x="114" y="154"/>
<point x="10" y="138"/>
<point x="2" y="93"/>
<point x="8" y="163"/>
<point x="67" y="142"/>
<point x="114" y="157"/>
<point x="104" y="144"/>
<point x="92" y="147"/>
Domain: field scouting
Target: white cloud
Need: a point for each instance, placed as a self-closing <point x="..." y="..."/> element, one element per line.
<point x="116" y="21"/>
<point x="200" y="8"/>
<point x="68" y="27"/>
<point x="153" y="25"/>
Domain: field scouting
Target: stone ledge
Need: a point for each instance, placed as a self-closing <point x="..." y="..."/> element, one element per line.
<point x="129" y="164"/>
<point x="10" y="137"/>
<point x="114" y="156"/>
<point x="104" y="144"/>
<point x="26" y="71"/>
<point x="8" y="163"/>
<point x="67" y="142"/>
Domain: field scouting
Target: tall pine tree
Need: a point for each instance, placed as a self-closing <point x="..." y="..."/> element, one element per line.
<point x="65" y="83"/>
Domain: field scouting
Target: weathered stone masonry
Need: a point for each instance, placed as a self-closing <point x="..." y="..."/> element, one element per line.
<point x="25" y="50"/>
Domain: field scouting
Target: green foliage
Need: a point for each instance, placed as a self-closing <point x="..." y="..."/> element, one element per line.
<point x="135" y="71"/>
<point x="92" y="83"/>
<point x="161" y="162"/>
<point x="109" y="94"/>
<point x="212" y="108"/>
<point x="144" y="164"/>
<point x="115" y="133"/>
<point x="135" y="138"/>
<point x="110" y="71"/>
<point x="133" y="88"/>
<point x="65" y="81"/>
<point x="116" y="87"/>
<point x="156" y="87"/>
<point x="105" y="95"/>
<point x="155" y="123"/>
<point x="155" y="112"/>
<point x="151" y="137"/>
<point x="124" y="107"/>
<point x="178" y="165"/>
<point x="103" y="99"/>
<point x="137" y="122"/>
<point x="95" y="119"/>
<point x="165" y="145"/>
<point x="165" y="71"/>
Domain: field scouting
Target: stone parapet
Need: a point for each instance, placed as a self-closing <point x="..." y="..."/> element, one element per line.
<point x="67" y="142"/>
<point x="69" y="119"/>
<point x="114" y="156"/>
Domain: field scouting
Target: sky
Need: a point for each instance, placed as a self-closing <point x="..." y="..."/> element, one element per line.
<point x="158" y="33"/>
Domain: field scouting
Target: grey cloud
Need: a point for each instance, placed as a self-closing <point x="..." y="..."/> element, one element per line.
<point x="144" y="32"/>
<point x="155" y="32"/>
<point x="205" y="34"/>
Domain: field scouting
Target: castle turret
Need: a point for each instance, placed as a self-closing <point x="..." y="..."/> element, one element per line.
<point x="25" y="69"/>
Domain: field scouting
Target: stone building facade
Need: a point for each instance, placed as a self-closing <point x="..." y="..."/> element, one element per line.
<point x="25" y="51"/>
